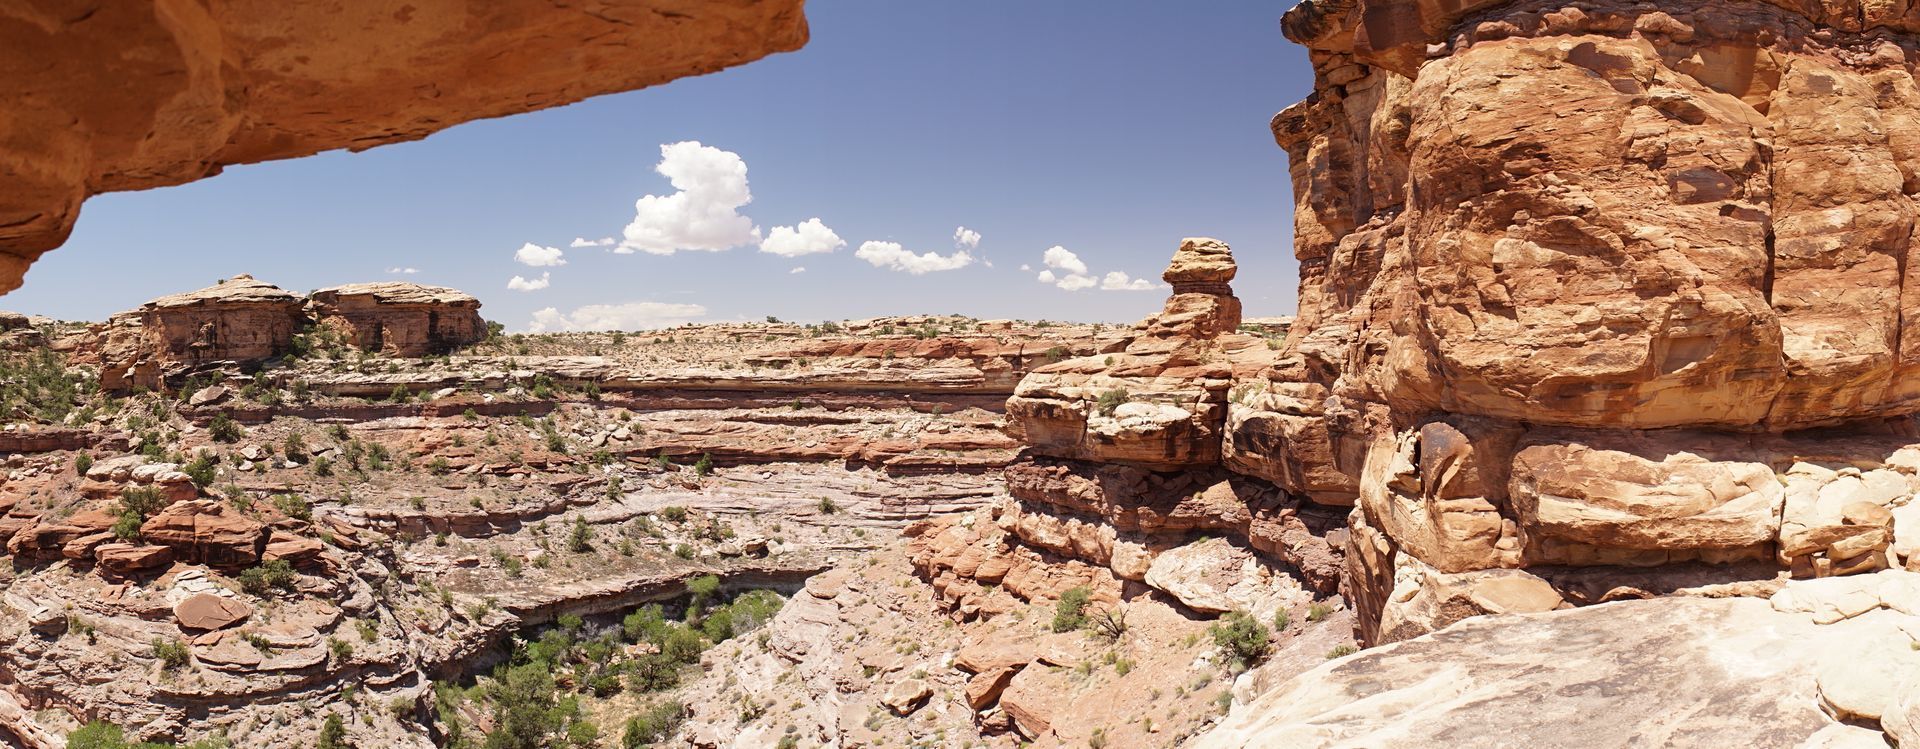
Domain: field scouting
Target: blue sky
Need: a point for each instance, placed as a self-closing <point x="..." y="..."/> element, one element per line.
<point x="1110" y="129"/>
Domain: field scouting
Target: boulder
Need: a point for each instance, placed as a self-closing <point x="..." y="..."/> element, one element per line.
<point x="984" y="689"/>
<point x="207" y="612"/>
<point x="207" y="531"/>
<point x="126" y="559"/>
<point x="906" y="696"/>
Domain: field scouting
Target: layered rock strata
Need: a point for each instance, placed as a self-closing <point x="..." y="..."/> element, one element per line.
<point x="1121" y="488"/>
<point x="398" y="318"/>
<point x="1596" y="290"/>
<point x="134" y="95"/>
<point x="238" y="319"/>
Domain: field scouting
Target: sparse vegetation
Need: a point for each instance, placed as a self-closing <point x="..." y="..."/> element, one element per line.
<point x="1070" y="612"/>
<point x="1243" y="637"/>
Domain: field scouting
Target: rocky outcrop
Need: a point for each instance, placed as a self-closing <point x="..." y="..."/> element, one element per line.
<point x="143" y="94"/>
<point x="1595" y="289"/>
<point x="398" y="318"/>
<point x="1122" y="482"/>
<point x="239" y="319"/>
<point x="1159" y="401"/>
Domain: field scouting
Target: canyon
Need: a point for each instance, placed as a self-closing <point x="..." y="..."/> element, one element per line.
<point x="1595" y="427"/>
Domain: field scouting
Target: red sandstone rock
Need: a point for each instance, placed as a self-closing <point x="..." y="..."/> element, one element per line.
<point x="400" y="319"/>
<point x="207" y="531"/>
<point x="240" y="318"/>
<point x="206" y="611"/>
<point x="126" y="559"/>
<point x="133" y="95"/>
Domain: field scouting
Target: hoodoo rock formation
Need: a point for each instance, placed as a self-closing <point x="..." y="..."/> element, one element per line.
<point x="104" y="97"/>
<point x="1598" y="299"/>
<point x="1122" y="481"/>
<point x="398" y="318"/>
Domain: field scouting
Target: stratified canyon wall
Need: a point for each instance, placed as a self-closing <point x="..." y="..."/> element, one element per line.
<point x="103" y="97"/>
<point x="1599" y="299"/>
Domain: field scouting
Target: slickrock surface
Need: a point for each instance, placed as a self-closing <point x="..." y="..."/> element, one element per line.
<point x="1666" y="672"/>
<point x="141" y="94"/>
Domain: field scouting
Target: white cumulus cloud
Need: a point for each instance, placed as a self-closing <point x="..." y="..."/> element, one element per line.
<point x="534" y="255"/>
<point x="579" y="242"/>
<point x="1074" y="276"/>
<point x="403" y="269"/>
<point x="965" y="238"/>
<point x="808" y="238"/>
<point x="704" y="215"/>
<point x="522" y="284"/>
<point x="628" y="316"/>
<point x="1061" y="258"/>
<point x="801" y="269"/>
<point x="1118" y="281"/>
<point x="892" y="256"/>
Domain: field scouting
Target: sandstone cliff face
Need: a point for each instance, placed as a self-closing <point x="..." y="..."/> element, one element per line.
<point x="1578" y="282"/>
<point x="398" y="318"/>
<point x="133" y="95"/>
<point x="238" y="319"/>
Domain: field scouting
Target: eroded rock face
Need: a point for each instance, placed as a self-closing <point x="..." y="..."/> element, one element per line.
<point x="1585" y="284"/>
<point x="128" y="96"/>
<point x="398" y="318"/>
<point x="239" y="319"/>
<point x="1159" y="402"/>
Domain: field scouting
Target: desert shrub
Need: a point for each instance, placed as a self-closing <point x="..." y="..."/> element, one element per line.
<point x="267" y="577"/>
<point x="201" y="469"/>
<point x="293" y="506"/>
<point x="1243" y="637"/>
<point x="655" y="723"/>
<point x="1318" y="611"/>
<point x="224" y="429"/>
<point x="1070" y="612"/>
<point x="1110" y="400"/>
<point x="580" y="539"/>
<point x="81" y="463"/>
<point x="333" y="734"/>
<point x="172" y="653"/>
<point x="703" y="466"/>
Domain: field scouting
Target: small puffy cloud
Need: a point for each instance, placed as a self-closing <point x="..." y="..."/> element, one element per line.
<point x="603" y="317"/>
<point x="892" y="256"/>
<point x="801" y="269"/>
<point x="1076" y="282"/>
<point x="1025" y="268"/>
<point x="522" y="284"/>
<point x="403" y="269"/>
<point x="1118" y="281"/>
<point x="1061" y="258"/>
<point x="579" y="242"/>
<point x="965" y="238"/>
<point x="535" y="256"/>
<point x="1074" y="276"/>
<point x="808" y="238"/>
<point x="704" y="215"/>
